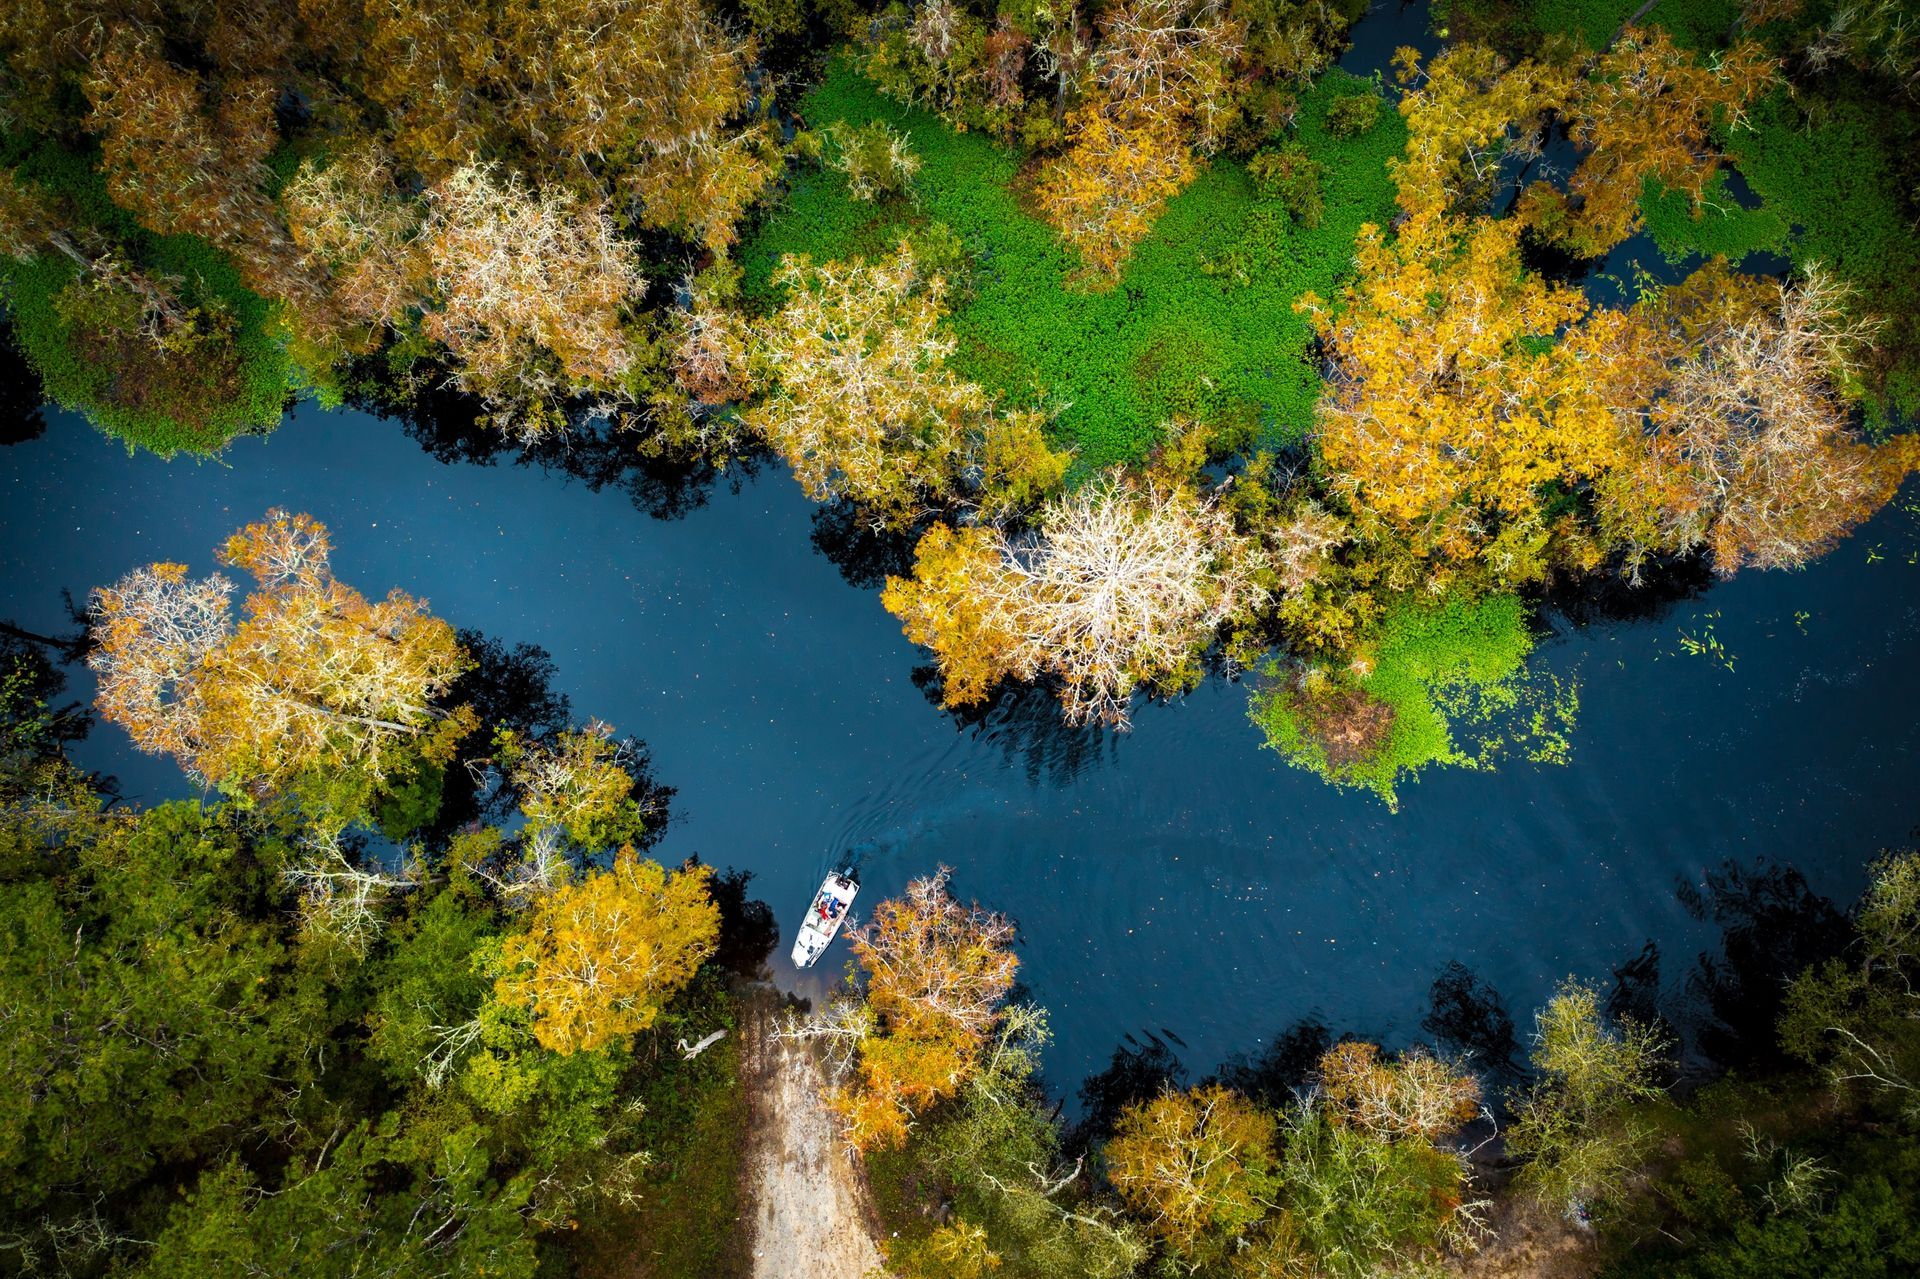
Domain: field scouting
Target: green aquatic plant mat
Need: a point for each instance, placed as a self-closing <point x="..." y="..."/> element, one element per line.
<point x="1201" y="322"/>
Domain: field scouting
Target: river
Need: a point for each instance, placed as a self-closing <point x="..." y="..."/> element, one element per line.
<point x="1177" y="879"/>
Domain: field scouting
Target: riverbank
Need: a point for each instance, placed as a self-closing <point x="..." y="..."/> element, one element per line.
<point x="810" y="1214"/>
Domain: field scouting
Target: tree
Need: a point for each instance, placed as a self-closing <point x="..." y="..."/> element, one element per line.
<point x="1644" y="113"/>
<point x="1749" y="449"/>
<point x="1415" y="1096"/>
<point x="149" y="1012"/>
<point x="580" y="784"/>
<point x="1163" y="71"/>
<point x="1171" y="59"/>
<point x="192" y="162"/>
<point x="877" y="161"/>
<point x="936" y="973"/>
<point x="352" y="228"/>
<point x="530" y="288"/>
<point x="1110" y="186"/>
<point x="314" y="687"/>
<point x="863" y="404"/>
<point x="1126" y="582"/>
<point x="999" y="1146"/>
<point x="1197" y="1165"/>
<point x="1465" y="389"/>
<point x="1575" y="1126"/>
<point x="597" y="959"/>
<point x="1856" y="1021"/>
<point x="1470" y="113"/>
<point x="610" y="98"/>
<point x="1358" y="1204"/>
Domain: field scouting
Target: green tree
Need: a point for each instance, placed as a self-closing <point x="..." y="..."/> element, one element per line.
<point x="1577" y="1125"/>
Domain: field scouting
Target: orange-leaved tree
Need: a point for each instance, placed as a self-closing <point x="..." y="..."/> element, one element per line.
<point x="1197" y="1165"/>
<point x="1646" y="111"/>
<point x="936" y="972"/>
<point x="313" y="683"/>
<point x="597" y="959"/>
<point x="1415" y="1095"/>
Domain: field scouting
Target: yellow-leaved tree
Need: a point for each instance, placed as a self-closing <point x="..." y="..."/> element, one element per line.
<point x="1465" y="387"/>
<point x="1198" y="1166"/>
<point x="315" y="684"/>
<point x="529" y="290"/>
<point x="1163" y="84"/>
<point x="1469" y="111"/>
<point x="936" y="974"/>
<point x="598" y="958"/>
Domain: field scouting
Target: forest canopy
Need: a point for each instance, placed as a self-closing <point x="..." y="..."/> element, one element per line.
<point x="994" y="279"/>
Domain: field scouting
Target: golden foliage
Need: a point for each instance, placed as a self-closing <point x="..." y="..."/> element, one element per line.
<point x="1471" y="111"/>
<point x="1110" y="186"/>
<point x="937" y="972"/>
<point x="598" y="959"/>
<point x="1194" y="1163"/>
<point x="191" y="159"/>
<point x="641" y="89"/>
<point x="1164" y="71"/>
<point x="1452" y="405"/>
<point x="1749" y="448"/>
<point x="314" y="680"/>
<point x="863" y="403"/>
<point x="350" y="224"/>
<point x="1125" y="584"/>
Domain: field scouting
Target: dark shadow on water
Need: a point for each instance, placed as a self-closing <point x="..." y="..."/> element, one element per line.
<point x="21" y="416"/>
<point x="1639" y="995"/>
<point x="1024" y="723"/>
<point x="748" y="929"/>
<point x="1142" y="1067"/>
<point x="1773" y="926"/>
<point x="448" y="426"/>
<point x="865" y="555"/>
<point x="34" y="722"/>
<point x="1467" y="1016"/>
<point x="1553" y="262"/>
<point x="1607" y="596"/>
<point x="512" y="688"/>
<point x="1283" y="1068"/>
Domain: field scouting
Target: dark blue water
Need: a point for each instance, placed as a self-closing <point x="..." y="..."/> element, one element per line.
<point x="1180" y="877"/>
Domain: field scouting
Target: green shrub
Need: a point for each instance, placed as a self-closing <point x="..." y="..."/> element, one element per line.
<point x="1290" y="177"/>
<point x="1353" y="114"/>
<point x="1435" y="669"/>
<point x="188" y="384"/>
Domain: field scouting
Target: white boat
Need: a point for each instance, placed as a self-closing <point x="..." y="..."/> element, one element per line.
<point x="824" y="917"/>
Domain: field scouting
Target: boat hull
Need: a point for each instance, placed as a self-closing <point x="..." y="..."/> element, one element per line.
<point x="828" y="911"/>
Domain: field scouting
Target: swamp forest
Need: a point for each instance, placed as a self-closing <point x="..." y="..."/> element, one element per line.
<point x="1340" y="579"/>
